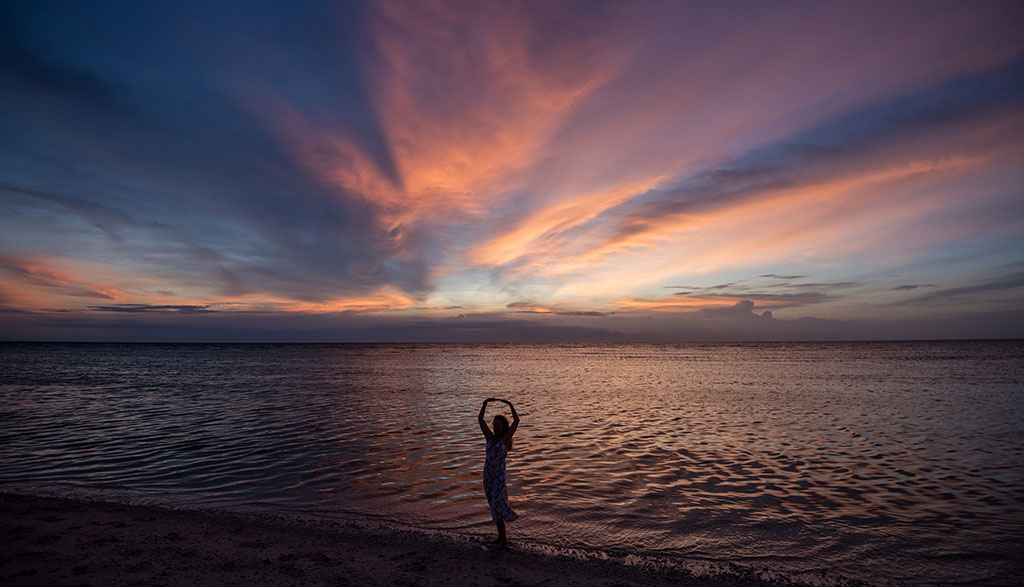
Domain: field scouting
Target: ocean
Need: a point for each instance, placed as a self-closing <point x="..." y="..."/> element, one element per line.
<point x="881" y="462"/>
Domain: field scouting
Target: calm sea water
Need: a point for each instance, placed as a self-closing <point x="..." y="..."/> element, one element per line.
<point x="877" y="461"/>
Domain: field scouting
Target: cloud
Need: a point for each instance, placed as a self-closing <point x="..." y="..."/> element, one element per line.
<point x="143" y="308"/>
<point x="172" y="326"/>
<point x="704" y="287"/>
<point x="724" y="301"/>
<point x="805" y="293"/>
<point x="826" y="285"/>
<point x="35" y="275"/>
<point x="780" y="300"/>
<point x="819" y="190"/>
<point x="743" y="309"/>
<point x="818" y="156"/>
<point x="735" y="322"/>
<point x="389" y="159"/>
<point x="910" y="286"/>
<point x="530" y="307"/>
<point x="520" y="304"/>
<point x="184" y="175"/>
<point x="1009" y="282"/>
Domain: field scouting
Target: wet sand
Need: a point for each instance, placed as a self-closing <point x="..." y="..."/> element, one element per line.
<point x="61" y="541"/>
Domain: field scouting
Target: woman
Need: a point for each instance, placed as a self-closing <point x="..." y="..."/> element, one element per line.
<point x="499" y="441"/>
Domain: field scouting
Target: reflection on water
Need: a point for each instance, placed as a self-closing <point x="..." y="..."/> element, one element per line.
<point x="874" y="460"/>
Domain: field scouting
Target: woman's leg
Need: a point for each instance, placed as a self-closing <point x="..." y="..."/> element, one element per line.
<point x="502" y="539"/>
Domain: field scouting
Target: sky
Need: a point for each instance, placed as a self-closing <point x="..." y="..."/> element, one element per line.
<point x="511" y="171"/>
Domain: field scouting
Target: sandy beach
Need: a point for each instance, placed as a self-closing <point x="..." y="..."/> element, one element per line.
<point x="62" y="541"/>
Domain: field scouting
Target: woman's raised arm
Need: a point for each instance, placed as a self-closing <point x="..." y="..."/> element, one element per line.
<point x="515" y="418"/>
<point x="480" y="418"/>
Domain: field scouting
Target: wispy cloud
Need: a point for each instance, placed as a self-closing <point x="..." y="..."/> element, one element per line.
<point x="828" y="179"/>
<point x="1011" y="282"/>
<point x="143" y="308"/>
<point x="558" y="162"/>
<point x="36" y="276"/>
<point x="694" y="301"/>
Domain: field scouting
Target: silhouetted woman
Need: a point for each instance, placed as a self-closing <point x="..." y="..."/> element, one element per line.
<point x="499" y="441"/>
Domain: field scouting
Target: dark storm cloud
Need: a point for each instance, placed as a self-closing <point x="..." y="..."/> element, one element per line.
<point x="775" y="276"/>
<point x="127" y="116"/>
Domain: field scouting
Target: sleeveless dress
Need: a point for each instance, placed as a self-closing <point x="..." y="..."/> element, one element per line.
<point x="494" y="482"/>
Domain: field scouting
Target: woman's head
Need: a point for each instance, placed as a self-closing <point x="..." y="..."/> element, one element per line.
<point x="499" y="425"/>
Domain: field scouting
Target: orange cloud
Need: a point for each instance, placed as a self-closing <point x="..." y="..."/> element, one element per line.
<point x="674" y="303"/>
<point x="383" y="300"/>
<point x="541" y="230"/>
<point x="41" y="284"/>
<point x="466" y="106"/>
<point x="44" y="282"/>
<point x="851" y="209"/>
<point x="474" y="117"/>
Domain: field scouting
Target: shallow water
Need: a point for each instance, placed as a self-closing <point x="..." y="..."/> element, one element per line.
<point x="876" y="461"/>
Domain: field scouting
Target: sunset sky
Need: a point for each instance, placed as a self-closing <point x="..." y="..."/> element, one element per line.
<point x="347" y="171"/>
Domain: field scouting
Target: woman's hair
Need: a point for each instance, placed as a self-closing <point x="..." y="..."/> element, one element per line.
<point x="504" y="421"/>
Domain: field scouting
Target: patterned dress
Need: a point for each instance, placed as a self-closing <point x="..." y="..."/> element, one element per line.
<point x="494" y="481"/>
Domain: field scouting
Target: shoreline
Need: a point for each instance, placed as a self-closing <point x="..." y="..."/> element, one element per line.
<point x="81" y="541"/>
